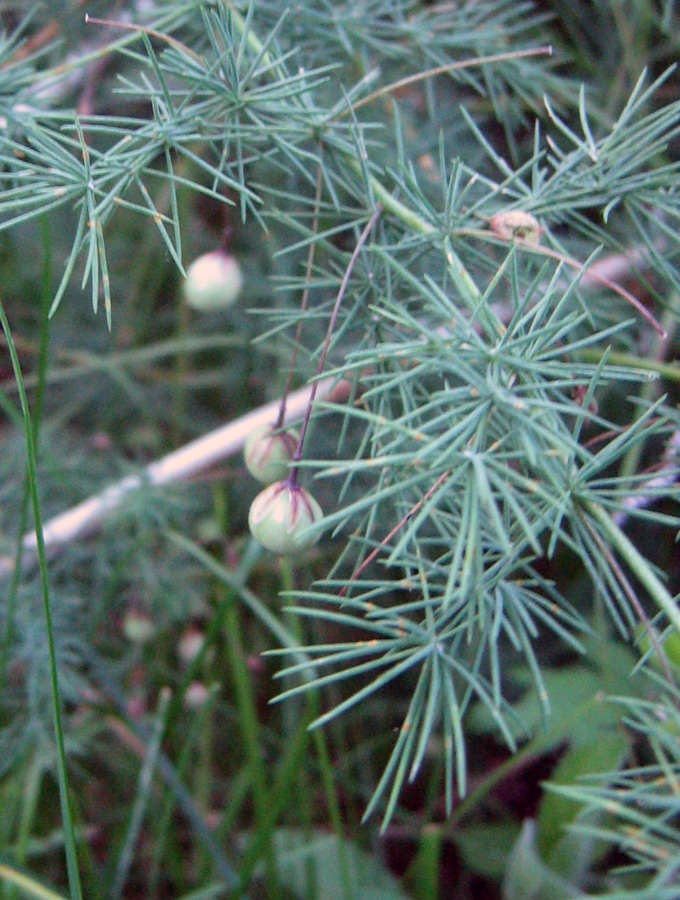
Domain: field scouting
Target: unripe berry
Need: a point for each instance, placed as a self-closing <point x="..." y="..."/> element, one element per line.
<point x="280" y="516"/>
<point x="138" y="627"/>
<point x="516" y="223"/>
<point x="267" y="453"/>
<point x="213" y="281"/>
<point x="196" y="695"/>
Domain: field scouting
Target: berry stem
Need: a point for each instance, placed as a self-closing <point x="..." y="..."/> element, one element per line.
<point x="227" y="231"/>
<point x="363" y="237"/>
<point x="305" y="295"/>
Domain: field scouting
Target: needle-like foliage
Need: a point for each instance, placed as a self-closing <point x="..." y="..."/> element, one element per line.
<point x="496" y="246"/>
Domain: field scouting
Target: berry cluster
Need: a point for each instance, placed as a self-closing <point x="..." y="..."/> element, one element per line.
<point x="281" y="514"/>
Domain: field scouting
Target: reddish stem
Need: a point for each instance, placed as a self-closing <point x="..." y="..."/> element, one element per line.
<point x="388" y="537"/>
<point x="363" y="237"/>
<point x="281" y="418"/>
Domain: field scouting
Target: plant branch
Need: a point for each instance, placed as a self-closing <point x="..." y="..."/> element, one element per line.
<point x="595" y="275"/>
<point x="397" y="528"/>
<point x="628" y="590"/>
<point x="444" y="70"/>
<point x="363" y="237"/>
<point x="281" y="418"/>
<point x="670" y="371"/>
<point x="640" y="566"/>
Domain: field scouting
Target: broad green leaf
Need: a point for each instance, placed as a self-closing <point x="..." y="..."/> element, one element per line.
<point x="313" y="861"/>
<point x="527" y="877"/>
<point x="525" y="874"/>
<point x="485" y="848"/>
<point x="570" y="853"/>
<point x="578" y="698"/>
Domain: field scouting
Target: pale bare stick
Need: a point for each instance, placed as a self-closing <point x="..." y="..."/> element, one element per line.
<point x="187" y="461"/>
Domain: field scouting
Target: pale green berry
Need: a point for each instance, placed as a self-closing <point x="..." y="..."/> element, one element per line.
<point x="280" y="516"/>
<point x="213" y="281"/>
<point x="138" y="627"/>
<point x="267" y="453"/>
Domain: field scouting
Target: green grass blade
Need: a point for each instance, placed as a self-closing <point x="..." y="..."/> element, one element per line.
<point x="69" y="834"/>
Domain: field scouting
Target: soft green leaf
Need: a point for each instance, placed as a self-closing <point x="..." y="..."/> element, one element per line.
<point x="577" y="696"/>
<point x="314" y="859"/>
<point x="571" y="854"/>
<point x="485" y="848"/>
<point x="527" y="877"/>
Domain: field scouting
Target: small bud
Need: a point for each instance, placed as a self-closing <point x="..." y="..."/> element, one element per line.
<point x="138" y="627"/>
<point x="516" y="224"/>
<point x="196" y="695"/>
<point x="190" y="644"/>
<point x="213" y="281"/>
<point x="267" y="453"/>
<point x="280" y="515"/>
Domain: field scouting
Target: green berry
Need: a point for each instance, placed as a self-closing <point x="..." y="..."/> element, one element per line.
<point x="138" y="627"/>
<point x="280" y="516"/>
<point x="213" y="281"/>
<point x="268" y="451"/>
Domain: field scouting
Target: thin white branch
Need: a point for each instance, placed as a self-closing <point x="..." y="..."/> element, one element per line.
<point x="195" y="457"/>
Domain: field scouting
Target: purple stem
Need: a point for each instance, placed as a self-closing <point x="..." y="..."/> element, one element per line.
<point x="363" y="237"/>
